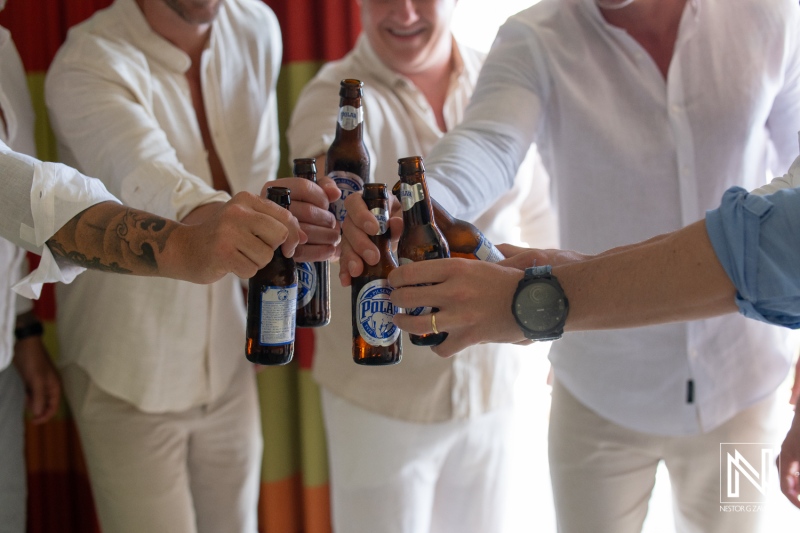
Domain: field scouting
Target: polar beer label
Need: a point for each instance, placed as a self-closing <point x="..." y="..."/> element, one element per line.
<point x="348" y="183"/>
<point x="350" y="117"/>
<point x="375" y="314"/>
<point x="306" y="283"/>
<point x="410" y="195"/>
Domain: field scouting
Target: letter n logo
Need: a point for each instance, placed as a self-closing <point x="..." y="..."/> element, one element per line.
<point x="745" y="471"/>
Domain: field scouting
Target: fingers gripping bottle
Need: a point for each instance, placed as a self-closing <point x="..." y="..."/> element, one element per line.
<point x="347" y="160"/>
<point x="376" y="340"/>
<point x="463" y="238"/>
<point x="313" y="279"/>
<point x="272" y="304"/>
<point x="421" y="239"/>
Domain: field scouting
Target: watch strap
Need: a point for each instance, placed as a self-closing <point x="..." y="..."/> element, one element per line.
<point x="538" y="271"/>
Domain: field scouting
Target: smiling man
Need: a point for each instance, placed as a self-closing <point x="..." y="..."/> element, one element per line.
<point x="423" y="445"/>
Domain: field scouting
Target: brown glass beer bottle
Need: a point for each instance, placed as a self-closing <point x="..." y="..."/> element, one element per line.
<point x="347" y="160"/>
<point x="272" y="304"/>
<point x="463" y="238"/>
<point x="376" y="340"/>
<point x="421" y="239"/>
<point x="313" y="279"/>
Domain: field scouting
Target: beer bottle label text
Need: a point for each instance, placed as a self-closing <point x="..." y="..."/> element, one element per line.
<point x="375" y="312"/>
<point x="350" y="117"/>
<point x="410" y="195"/>
<point x="278" y="308"/>
<point x="487" y="251"/>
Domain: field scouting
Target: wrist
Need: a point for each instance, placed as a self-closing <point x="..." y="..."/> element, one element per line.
<point x="31" y="329"/>
<point x="540" y="305"/>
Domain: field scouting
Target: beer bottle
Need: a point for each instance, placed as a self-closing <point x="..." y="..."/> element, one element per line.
<point x="313" y="279"/>
<point x="421" y="239"/>
<point x="347" y="160"/>
<point x="463" y="238"/>
<point x="376" y="340"/>
<point x="272" y="304"/>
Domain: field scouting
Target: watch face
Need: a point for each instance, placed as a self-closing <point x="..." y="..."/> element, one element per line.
<point x="540" y="306"/>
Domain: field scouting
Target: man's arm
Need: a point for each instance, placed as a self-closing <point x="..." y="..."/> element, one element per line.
<point x="148" y="173"/>
<point x="239" y="236"/>
<point x="42" y="385"/>
<point x="671" y="278"/>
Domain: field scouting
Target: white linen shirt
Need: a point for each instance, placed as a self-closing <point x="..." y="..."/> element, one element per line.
<point x="16" y="130"/>
<point x="631" y="155"/>
<point x="34" y="204"/>
<point x="398" y="122"/>
<point x="121" y="108"/>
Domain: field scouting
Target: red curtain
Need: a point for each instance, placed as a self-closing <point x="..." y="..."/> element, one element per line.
<point x="294" y="490"/>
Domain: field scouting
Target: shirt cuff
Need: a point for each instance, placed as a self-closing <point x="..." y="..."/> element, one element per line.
<point x="741" y="232"/>
<point x="48" y="271"/>
<point x="58" y="193"/>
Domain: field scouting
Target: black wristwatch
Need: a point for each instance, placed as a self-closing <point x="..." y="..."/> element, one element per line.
<point x="540" y="306"/>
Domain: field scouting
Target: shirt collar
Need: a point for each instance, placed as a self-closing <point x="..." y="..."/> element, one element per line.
<point x="151" y="43"/>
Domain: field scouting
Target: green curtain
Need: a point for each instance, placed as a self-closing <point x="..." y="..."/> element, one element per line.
<point x="294" y="487"/>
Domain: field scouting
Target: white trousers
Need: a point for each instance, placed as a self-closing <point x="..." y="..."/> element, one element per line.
<point x="195" y="471"/>
<point x="393" y="476"/>
<point x="13" y="482"/>
<point x="603" y="474"/>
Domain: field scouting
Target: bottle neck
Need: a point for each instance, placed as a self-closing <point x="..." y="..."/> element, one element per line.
<point x="280" y="196"/>
<point x="350" y="123"/>
<point x="383" y="243"/>
<point x="416" y="202"/>
<point x="442" y="218"/>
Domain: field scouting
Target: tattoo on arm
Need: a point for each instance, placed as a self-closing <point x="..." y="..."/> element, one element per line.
<point x="113" y="238"/>
<point x="80" y="259"/>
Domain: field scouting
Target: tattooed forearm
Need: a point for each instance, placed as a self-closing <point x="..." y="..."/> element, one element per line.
<point x="80" y="259"/>
<point x="113" y="238"/>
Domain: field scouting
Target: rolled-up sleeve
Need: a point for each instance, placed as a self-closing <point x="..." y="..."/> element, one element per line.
<point x="757" y="240"/>
<point x="105" y="117"/>
<point x="38" y="199"/>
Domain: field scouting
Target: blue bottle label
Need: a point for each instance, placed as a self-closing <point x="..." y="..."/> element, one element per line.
<point x="487" y="251"/>
<point x="348" y="183"/>
<point x="375" y="312"/>
<point x="306" y="283"/>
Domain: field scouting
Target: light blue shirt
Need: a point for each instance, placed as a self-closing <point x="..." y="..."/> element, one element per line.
<point x="757" y="240"/>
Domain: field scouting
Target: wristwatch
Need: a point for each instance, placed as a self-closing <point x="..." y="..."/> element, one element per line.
<point x="540" y="306"/>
